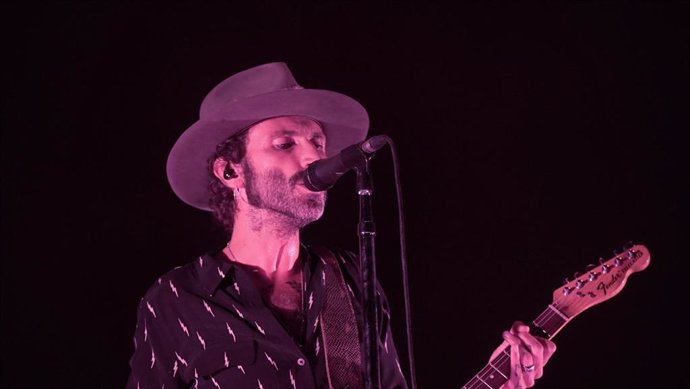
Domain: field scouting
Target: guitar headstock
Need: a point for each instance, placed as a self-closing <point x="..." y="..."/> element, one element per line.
<point x="600" y="283"/>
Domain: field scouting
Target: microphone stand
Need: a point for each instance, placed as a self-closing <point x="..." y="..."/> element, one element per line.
<point x="367" y="255"/>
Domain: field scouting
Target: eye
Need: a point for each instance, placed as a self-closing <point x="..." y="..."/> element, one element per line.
<point x="318" y="143"/>
<point x="283" y="143"/>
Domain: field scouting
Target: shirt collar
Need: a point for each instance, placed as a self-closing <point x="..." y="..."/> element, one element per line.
<point x="215" y="269"/>
<point x="212" y="271"/>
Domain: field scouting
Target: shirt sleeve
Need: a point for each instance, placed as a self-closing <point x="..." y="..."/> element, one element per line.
<point x="154" y="363"/>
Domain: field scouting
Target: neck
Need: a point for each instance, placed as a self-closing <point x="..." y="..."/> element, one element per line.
<point x="264" y="239"/>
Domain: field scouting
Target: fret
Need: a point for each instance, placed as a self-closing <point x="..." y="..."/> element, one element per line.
<point x="503" y="368"/>
<point x="553" y="321"/>
<point x="476" y="383"/>
<point x="494" y="377"/>
<point x="559" y="313"/>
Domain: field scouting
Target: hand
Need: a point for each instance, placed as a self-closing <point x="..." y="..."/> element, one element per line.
<point x="528" y="355"/>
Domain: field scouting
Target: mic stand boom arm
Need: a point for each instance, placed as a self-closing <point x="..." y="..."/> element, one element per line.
<point x="367" y="257"/>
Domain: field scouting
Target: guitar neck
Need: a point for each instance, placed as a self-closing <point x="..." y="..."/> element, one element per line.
<point x="496" y="372"/>
<point x="579" y="294"/>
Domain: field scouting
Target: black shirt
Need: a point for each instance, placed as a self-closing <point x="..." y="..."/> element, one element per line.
<point x="206" y="325"/>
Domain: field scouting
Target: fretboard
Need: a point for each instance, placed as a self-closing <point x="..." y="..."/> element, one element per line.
<point x="496" y="372"/>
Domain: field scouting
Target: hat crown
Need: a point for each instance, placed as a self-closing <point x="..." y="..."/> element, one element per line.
<point x="252" y="82"/>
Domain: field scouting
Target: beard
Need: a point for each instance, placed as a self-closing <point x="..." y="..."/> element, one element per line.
<point x="272" y="191"/>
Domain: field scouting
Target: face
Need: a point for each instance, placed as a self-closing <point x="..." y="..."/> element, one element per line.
<point x="278" y="152"/>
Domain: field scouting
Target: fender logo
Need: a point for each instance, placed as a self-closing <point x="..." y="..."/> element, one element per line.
<point x="605" y="286"/>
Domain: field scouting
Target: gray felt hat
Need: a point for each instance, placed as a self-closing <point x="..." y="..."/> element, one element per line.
<point x="248" y="97"/>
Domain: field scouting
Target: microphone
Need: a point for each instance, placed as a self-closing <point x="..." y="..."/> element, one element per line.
<point x="322" y="174"/>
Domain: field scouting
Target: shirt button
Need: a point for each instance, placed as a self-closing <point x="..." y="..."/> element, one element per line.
<point x="301" y="362"/>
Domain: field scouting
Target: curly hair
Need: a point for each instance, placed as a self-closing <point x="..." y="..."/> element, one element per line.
<point x="222" y="200"/>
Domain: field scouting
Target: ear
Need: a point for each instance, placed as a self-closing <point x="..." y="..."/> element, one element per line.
<point x="230" y="174"/>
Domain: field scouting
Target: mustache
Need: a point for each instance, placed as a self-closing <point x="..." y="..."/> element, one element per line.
<point x="298" y="178"/>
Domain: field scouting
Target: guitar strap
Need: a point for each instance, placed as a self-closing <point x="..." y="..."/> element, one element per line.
<point x="339" y="330"/>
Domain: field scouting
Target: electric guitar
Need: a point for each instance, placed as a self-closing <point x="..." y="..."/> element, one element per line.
<point x="596" y="285"/>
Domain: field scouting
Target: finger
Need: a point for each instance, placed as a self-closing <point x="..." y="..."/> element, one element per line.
<point x="528" y="365"/>
<point x="536" y="350"/>
<point x="518" y="327"/>
<point x="549" y="348"/>
<point x="516" y="379"/>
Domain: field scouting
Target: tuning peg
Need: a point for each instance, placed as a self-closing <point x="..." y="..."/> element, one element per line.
<point x="590" y="267"/>
<point x="601" y="260"/>
<point x="566" y="281"/>
<point x="580" y="284"/>
<point x="576" y="274"/>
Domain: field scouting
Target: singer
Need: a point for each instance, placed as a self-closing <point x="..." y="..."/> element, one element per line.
<point x="265" y="310"/>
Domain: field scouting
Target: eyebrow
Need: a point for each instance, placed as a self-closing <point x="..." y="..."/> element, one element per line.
<point x="285" y="132"/>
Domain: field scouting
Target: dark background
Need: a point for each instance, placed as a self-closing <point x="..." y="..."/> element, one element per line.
<point x="532" y="141"/>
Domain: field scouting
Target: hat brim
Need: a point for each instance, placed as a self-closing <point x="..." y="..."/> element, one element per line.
<point x="343" y="119"/>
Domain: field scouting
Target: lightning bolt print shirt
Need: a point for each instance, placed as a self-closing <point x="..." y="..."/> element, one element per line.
<point x="206" y="325"/>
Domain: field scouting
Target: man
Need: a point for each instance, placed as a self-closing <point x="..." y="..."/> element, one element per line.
<point x="267" y="311"/>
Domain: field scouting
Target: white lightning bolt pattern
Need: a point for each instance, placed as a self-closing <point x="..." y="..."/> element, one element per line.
<point x="174" y="369"/>
<point x="215" y="383"/>
<point x="179" y="358"/>
<point x="351" y="292"/>
<point x="260" y="386"/>
<point x="237" y="287"/>
<point x="292" y="381"/>
<point x="148" y="305"/>
<point x="220" y="273"/>
<point x="322" y="261"/>
<point x="208" y="308"/>
<point x="196" y="379"/>
<point x="316" y="322"/>
<point x="241" y="369"/>
<point x="318" y="347"/>
<point x="201" y="262"/>
<point x="271" y="361"/>
<point x="231" y="332"/>
<point x="146" y="331"/>
<point x="323" y="277"/>
<point x="225" y="356"/>
<point x="138" y="385"/>
<point x="258" y="327"/>
<point x="174" y="289"/>
<point x="238" y="311"/>
<point x="153" y="357"/>
<point x="399" y="369"/>
<point x="184" y="327"/>
<point x="311" y="299"/>
<point x="201" y="340"/>
<point x="159" y="281"/>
